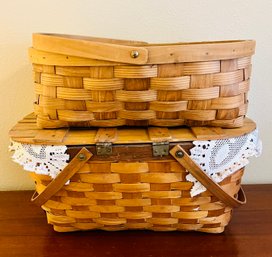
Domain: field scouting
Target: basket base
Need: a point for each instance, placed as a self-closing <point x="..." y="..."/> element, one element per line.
<point x="207" y="225"/>
<point x="199" y="228"/>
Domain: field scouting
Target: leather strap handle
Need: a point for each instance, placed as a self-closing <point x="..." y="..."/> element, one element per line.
<point x="55" y="185"/>
<point x="184" y="159"/>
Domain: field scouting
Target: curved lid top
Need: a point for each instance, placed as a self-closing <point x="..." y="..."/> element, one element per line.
<point x="26" y="131"/>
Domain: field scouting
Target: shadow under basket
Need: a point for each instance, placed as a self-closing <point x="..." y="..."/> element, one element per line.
<point x="132" y="179"/>
<point x="83" y="81"/>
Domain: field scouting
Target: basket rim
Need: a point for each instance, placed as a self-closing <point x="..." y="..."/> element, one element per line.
<point x="26" y="131"/>
<point x="139" y="53"/>
<point x="140" y="43"/>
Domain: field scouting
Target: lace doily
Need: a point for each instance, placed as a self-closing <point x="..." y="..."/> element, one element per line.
<point x="42" y="159"/>
<point x="218" y="158"/>
<point x="221" y="158"/>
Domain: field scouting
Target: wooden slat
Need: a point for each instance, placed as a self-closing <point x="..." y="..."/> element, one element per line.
<point x="81" y="226"/>
<point x="137" y="115"/>
<point x="106" y="135"/>
<point x="172" y="83"/>
<point x="159" y="134"/>
<point x="24" y="134"/>
<point x="103" y="84"/>
<point x="202" y="133"/>
<point x="191" y="215"/>
<point x="50" y="136"/>
<point x="82" y="214"/>
<point x="200" y="115"/>
<point x="228" y="102"/>
<point x="183" y="201"/>
<point x="129" y="167"/>
<point x="57" y="205"/>
<point x="193" y="68"/>
<point x="162" y="208"/>
<point x="24" y="126"/>
<point x="74" y="82"/>
<point x="169" y="122"/>
<point x="110" y="222"/>
<point x="79" y="187"/>
<point x="107" y="208"/>
<point x="161" y="177"/>
<point x="135" y="215"/>
<point x="200" y="93"/>
<point x="135" y="71"/>
<point x="133" y="202"/>
<point x="51" y="80"/>
<point x="130" y="188"/>
<point x="162" y="194"/>
<point x="75" y="116"/>
<point x="74" y="93"/>
<point x="76" y="201"/>
<point x="226" y="78"/>
<point x="102" y="178"/>
<point x="230" y="90"/>
<point x="167" y="106"/>
<point x="229" y="65"/>
<point x="136" y="96"/>
<point x="104" y="195"/>
<point x="30" y="116"/>
<point x="97" y="107"/>
<point x="233" y="123"/>
<point x="74" y="72"/>
<point x="229" y="114"/>
<point x="163" y="221"/>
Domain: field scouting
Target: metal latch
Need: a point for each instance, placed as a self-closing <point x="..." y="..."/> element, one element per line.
<point x="104" y="148"/>
<point x="160" y="148"/>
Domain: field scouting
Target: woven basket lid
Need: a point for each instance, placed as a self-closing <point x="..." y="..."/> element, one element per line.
<point x="26" y="131"/>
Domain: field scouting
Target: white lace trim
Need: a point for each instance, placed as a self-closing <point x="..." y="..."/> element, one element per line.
<point x="218" y="158"/>
<point x="42" y="159"/>
<point x="221" y="158"/>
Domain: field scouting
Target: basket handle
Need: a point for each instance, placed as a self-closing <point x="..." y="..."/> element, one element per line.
<point x="134" y="52"/>
<point x="55" y="185"/>
<point x="94" y="48"/>
<point x="184" y="159"/>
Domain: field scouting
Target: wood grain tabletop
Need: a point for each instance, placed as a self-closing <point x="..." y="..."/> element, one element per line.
<point x="25" y="232"/>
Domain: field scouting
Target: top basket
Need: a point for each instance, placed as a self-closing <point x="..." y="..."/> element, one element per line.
<point x="85" y="81"/>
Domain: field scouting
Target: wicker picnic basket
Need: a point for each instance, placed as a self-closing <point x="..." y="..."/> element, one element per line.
<point x="132" y="178"/>
<point x="84" y="81"/>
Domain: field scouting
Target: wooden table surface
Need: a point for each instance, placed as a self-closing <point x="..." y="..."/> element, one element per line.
<point x="24" y="232"/>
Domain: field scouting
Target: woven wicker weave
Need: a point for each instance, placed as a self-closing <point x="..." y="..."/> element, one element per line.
<point x="131" y="188"/>
<point x="135" y="195"/>
<point x="198" y="84"/>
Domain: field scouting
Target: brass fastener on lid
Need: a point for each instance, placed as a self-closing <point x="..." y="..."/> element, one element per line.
<point x="179" y="154"/>
<point x="134" y="54"/>
<point x="82" y="157"/>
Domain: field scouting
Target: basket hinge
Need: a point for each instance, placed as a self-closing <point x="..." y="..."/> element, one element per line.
<point x="104" y="148"/>
<point x="160" y="148"/>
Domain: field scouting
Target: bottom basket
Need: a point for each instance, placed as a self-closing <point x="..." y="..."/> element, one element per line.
<point x="164" y="206"/>
<point x="132" y="181"/>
